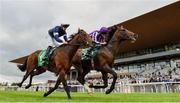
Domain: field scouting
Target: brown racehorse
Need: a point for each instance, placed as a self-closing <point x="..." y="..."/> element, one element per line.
<point x="60" y="61"/>
<point x="104" y="59"/>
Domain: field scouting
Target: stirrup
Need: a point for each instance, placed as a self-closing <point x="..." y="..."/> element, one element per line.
<point x="45" y="59"/>
<point x="88" y="55"/>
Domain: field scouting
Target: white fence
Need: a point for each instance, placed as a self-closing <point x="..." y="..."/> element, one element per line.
<point x="157" y="87"/>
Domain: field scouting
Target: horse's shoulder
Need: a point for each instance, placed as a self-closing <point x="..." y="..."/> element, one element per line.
<point x="103" y="50"/>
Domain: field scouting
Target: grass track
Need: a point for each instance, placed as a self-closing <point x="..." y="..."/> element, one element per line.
<point x="22" y="96"/>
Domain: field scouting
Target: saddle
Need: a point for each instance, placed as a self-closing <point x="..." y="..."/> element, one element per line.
<point x="41" y="61"/>
<point x="87" y="58"/>
<point x="85" y="55"/>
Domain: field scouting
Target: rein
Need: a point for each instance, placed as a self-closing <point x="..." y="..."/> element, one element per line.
<point x="73" y="44"/>
<point x="77" y="44"/>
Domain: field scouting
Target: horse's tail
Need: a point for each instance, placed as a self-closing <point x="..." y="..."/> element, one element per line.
<point x="23" y="66"/>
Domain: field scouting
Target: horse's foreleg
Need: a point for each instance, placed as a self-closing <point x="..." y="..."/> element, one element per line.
<point x="37" y="72"/>
<point x="55" y="87"/>
<point x="81" y="77"/>
<point x="107" y="69"/>
<point x="62" y="76"/>
<point x="105" y="79"/>
<point x="82" y="71"/>
<point x="82" y="81"/>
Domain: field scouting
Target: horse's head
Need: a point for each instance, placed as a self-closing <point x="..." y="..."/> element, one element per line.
<point x="126" y="34"/>
<point x="83" y="38"/>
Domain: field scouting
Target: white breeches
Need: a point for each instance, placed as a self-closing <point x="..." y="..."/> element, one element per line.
<point x="55" y="43"/>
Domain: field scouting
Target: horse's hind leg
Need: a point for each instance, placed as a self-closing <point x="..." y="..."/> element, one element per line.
<point x="37" y="72"/>
<point x="24" y="78"/>
<point x="29" y="69"/>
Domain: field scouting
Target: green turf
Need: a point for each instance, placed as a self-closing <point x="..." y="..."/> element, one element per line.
<point x="19" y="96"/>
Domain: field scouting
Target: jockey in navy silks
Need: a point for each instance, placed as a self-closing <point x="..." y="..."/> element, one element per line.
<point x="56" y="35"/>
<point x="98" y="37"/>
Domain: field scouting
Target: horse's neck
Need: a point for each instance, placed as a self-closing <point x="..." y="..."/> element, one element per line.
<point x="71" y="48"/>
<point x="113" y="44"/>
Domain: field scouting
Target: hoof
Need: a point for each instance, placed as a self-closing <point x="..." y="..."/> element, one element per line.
<point x="27" y="86"/>
<point x="90" y="93"/>
<point x="45" y="94"/>
<point x="108" y="91"/>
<point x="69" y="98"/>
<point x="19" y="84"/>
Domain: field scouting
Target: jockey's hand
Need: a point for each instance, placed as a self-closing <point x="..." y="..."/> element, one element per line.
<point x="65" y="42"/>
<point x="104" y="43"/>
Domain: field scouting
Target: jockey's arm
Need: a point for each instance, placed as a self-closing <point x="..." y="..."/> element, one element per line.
<point x="56" y="37"/>
<point x="50" y="32"/>
<point x="65" y="37"/>
<point x="103" y="41"/>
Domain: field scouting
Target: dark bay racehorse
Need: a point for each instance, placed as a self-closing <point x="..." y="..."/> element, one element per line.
<point x="60" y="61"/>
<point x="104" y="59"/>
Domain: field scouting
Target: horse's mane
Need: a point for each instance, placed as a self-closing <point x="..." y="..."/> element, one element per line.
<point x="70" y="38"/>
<point x="111" y="32"/>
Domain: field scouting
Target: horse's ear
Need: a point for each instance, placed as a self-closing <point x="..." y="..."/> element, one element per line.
<point x="112" y="28"/>
<point x="79" y="30"/>
<point x="116" y="26"/>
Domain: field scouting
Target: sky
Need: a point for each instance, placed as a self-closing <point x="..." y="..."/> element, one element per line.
<point x="24" y="25"/>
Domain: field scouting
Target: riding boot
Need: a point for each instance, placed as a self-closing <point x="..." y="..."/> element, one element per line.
<point x="89" y="52"/>
<point x="85" y="64"/>
<point x="46" y="57"/>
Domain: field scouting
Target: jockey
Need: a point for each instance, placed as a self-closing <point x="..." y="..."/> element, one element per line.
<point x="56" y="35"/>
<point x="98" y="36"/>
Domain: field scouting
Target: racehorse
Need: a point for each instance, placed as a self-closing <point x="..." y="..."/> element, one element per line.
<point x="77" y="58"/>
<point x="104" y="59"/>
<point x="60" y="62"/>
<point x="77" y="63"/>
